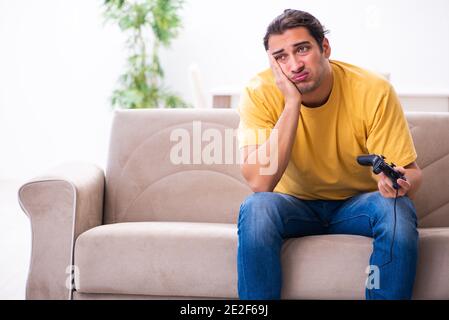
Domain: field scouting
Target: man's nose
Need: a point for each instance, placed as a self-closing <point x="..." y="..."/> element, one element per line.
<point x="297" y="65"/>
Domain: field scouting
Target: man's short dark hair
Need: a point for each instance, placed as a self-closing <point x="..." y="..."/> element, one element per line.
<point x="293" y="19"/>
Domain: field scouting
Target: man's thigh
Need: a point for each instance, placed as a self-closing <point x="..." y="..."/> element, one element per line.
<point x="298" y="219"/>
<point x="303" y="220"/>
<point x="355" y="216"/>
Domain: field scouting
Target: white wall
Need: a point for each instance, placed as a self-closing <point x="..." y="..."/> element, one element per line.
<point x="59" y="63"/>
<point x="407" y="38"/>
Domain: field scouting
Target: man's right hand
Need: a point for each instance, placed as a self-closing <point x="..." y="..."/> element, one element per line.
<point x="291" y="93"/>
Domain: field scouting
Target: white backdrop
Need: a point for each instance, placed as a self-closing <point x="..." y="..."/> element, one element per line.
<point x="59" y="63"/>
<point x="407" y="38"/>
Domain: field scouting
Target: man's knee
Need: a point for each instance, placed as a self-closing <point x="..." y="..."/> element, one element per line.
<point x="260" y="211"/>
<point x="384" y="208"/>
<point x="260" y="202"/>
<point x="398" y="217"/>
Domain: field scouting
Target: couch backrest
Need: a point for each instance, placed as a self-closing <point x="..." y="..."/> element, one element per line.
<point x="430" y="131"/>
<point x="148" y="180"/>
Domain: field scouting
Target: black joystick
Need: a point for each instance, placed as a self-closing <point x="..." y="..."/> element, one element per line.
<point x="379" y="165"/>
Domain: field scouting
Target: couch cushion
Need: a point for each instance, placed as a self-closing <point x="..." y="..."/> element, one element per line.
<point x="199" y="260"/>
<point x="158" y="258"/>
<point x="432" y="279"/>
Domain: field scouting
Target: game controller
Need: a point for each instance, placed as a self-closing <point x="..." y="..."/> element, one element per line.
<point x="379" y="165"/>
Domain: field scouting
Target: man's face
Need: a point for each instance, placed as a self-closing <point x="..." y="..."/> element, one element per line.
<point x="300" y="58"/>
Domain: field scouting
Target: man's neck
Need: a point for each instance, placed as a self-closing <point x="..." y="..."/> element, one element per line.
<point x="319" y="96"/>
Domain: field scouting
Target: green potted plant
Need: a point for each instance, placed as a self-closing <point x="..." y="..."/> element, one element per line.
<point x="145" y="22"/>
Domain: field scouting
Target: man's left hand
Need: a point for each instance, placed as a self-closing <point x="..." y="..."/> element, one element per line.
<point x="385" y="185"/>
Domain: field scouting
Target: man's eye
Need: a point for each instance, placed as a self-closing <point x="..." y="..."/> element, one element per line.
<point x="281" y="58"/>
<point x="303" y="49"/>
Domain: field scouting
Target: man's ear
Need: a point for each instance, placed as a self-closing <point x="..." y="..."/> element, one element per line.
<point x="326" y="48"/>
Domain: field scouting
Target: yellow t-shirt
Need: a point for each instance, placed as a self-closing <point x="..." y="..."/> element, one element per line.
<point x="362" y="116"/>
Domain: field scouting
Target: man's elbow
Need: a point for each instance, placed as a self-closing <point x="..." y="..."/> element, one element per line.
<point x="259" y="184"/>
<point x="260" y="188"/>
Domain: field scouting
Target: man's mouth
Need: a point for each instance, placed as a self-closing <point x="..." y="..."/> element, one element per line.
<point x="300" y="77"/>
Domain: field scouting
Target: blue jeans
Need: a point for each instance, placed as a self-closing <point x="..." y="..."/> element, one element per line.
<point x="266" y="219"/>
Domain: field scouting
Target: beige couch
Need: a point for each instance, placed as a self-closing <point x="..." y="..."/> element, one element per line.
<point x="150" y="228"/>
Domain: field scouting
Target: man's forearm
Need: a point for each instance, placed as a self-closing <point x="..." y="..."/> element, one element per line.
<point x="277" y="149"/>
<point x="414" y="177"/>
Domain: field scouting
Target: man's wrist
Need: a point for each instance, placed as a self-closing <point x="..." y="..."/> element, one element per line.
<point x="296" y="104"/>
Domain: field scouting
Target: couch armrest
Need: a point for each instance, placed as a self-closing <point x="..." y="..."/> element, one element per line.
<point x="61" y="205"/>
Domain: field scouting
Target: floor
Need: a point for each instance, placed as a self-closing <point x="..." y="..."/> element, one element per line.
<point x="15" y="243"/>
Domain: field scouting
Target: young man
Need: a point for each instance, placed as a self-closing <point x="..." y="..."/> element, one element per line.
<point x="312" y="117"/>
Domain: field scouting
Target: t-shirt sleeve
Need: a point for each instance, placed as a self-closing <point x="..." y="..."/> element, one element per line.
<point x="388" y="132"/>
<point x="255" y="121"/>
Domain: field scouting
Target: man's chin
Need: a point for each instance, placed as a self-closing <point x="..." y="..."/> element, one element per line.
<point x="305" y="88"/>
